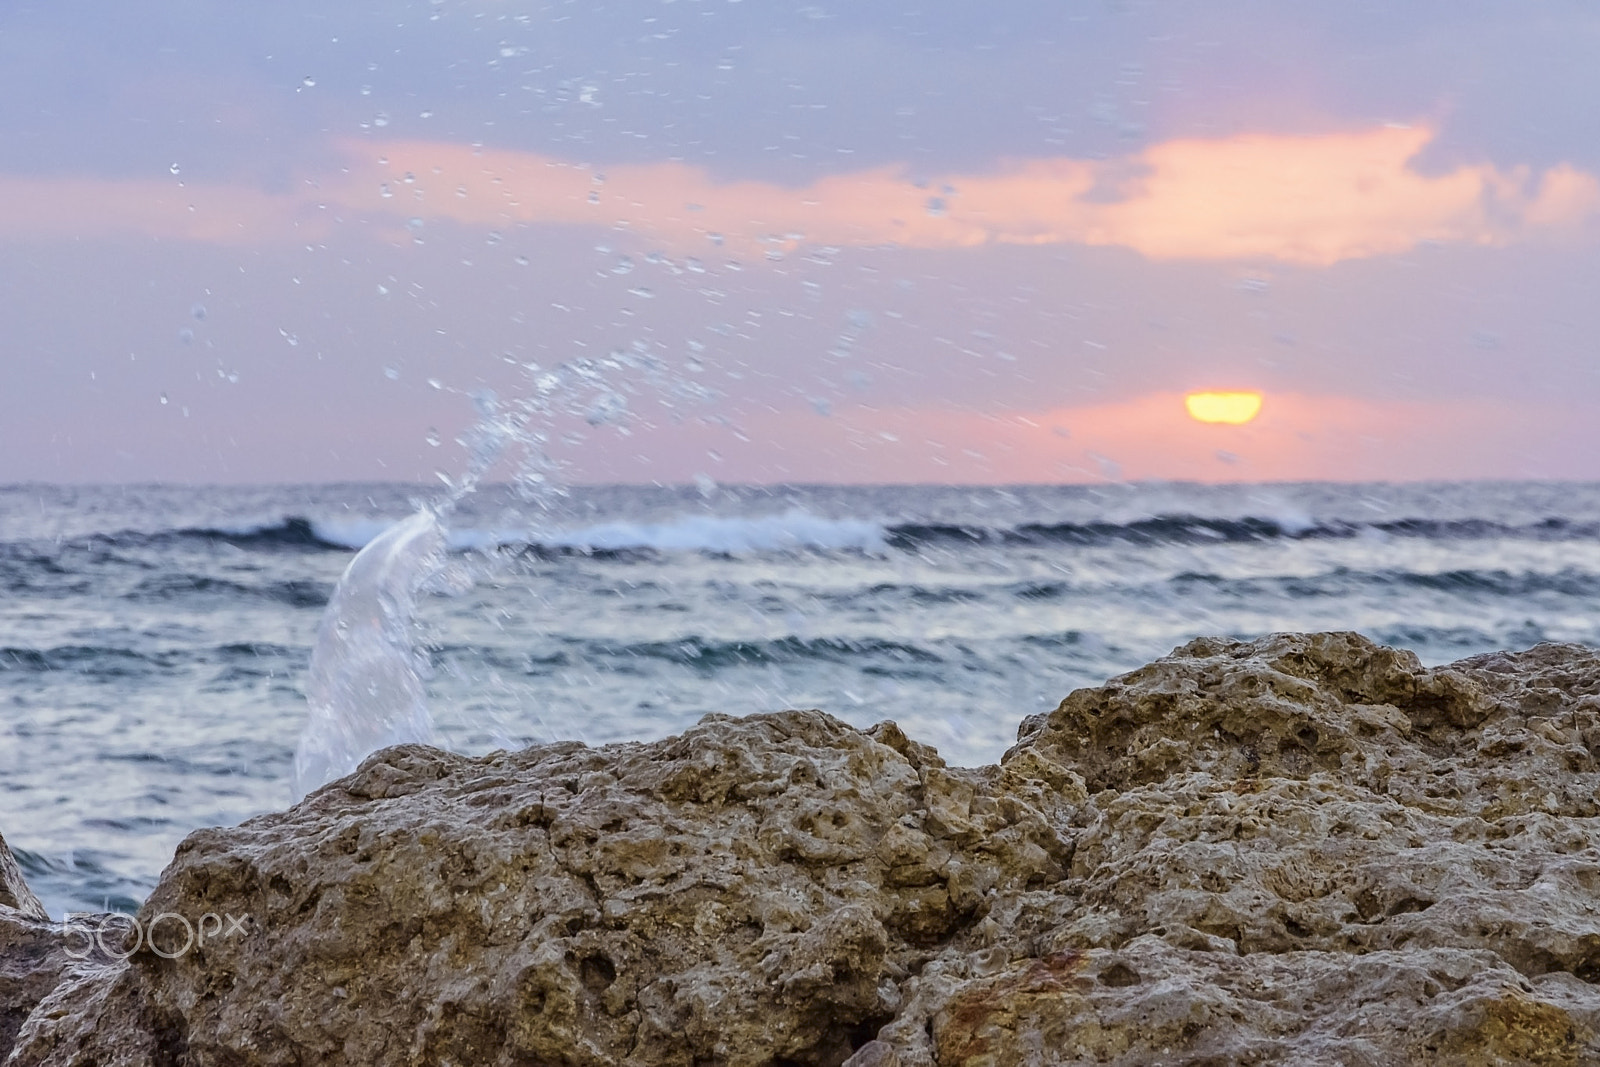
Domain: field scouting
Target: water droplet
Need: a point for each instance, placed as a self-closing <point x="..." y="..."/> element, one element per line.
<point x="186" y="336"/>
<point x="384" y="191"/>
<point x="461" y="191"/>
<point x="435" y="383"/>
<point x="433" y="437"/>
<point x="173" y="169"/>
<point x="624" y="266"/>
<point x="392" y="373"/>
<point x="594" y="198"/>
<point x="308" y="82"/>
<point x="380" y="119"/>
<point x="383" y="290"/>
<point x="936" y="206"/>
<point x="523" y="261"/>
<point x="287" y="336"/>
<point x="642" y="293"/>
<point x="715" y="238"/>
<point x="409" y="179"/>
<point x="164" y="398"/>
<point x="694" y="266"/>
<point x="426" y="114"/>
<point x="494" y="238"/>
<point x="198" y="311"/>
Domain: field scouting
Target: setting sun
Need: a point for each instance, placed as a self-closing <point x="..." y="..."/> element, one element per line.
<point x="1234" y="408"/>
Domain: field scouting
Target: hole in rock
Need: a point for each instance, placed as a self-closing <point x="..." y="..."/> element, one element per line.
<point x="1587" y="969"/>
<point x="1119" y="974"/>
<point x="597" y="972"/>
<point x="867" y="1030"/>
<point x="1406" y="905"/>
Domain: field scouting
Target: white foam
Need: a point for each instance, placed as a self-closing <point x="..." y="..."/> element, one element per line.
<point x="790" y="531"/>
<point x="350" y="533"/>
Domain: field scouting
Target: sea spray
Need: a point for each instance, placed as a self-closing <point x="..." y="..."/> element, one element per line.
<point x="366" y="685"/>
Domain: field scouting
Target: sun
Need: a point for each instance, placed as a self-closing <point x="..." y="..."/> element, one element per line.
<point x="1233" y="408"/>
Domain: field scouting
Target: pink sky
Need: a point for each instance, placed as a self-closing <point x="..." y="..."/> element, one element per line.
<point x="303" y="277"/>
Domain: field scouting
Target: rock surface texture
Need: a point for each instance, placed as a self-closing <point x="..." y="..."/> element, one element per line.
<point x="1305" y="849"/>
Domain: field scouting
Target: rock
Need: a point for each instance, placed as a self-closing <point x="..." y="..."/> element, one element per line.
<point x="14" y="892"/>
<point x="29" y="969"/>
<point x="38" y="959"/>
<point x="1306" y="848"/>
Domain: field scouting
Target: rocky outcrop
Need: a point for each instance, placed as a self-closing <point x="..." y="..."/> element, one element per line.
<point x="1303" y="849"/>
<point x="41" y="962"/>
<point x="16" y="898"/>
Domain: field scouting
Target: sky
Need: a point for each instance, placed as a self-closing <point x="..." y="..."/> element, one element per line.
<point x="910" y="241"/>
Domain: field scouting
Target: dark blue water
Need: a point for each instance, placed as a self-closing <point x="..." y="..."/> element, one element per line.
<point x="154" y="641"/>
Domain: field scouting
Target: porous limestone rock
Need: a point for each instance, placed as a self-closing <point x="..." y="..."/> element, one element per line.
<point x="1304" y="849"/>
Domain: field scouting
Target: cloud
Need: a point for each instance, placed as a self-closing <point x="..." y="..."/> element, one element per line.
<point x="1311" y="200"/>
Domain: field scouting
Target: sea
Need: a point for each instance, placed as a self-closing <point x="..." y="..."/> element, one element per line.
<point x="156" y="641"/>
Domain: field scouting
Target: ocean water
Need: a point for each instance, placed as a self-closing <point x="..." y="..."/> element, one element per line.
<point x="155" y="641"/>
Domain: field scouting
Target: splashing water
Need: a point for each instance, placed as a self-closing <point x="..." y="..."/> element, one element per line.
<point x="366" y="685"/>
<point x="365" y="688"/>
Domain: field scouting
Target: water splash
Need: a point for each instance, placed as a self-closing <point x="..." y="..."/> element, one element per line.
<point x="365" y="688"/>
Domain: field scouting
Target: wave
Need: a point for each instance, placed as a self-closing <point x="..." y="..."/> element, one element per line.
<point x="1344" y="581"/>
<point x="791" y="531"/>
<point x="87" y="660"/>
<point x="1198" y="529"/>
<point x="296" y="593"/>
<point x="289" y="532"/>
<point x="116" y="661"/>
<point x="798" y="530"/>
<point x="709" y="655"/>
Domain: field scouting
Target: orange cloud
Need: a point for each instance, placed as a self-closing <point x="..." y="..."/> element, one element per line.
<point x="1300" y="199"/>
<point x="1314" y="200"/>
